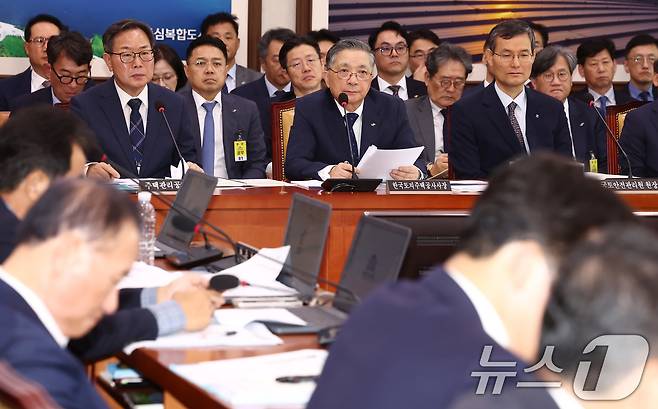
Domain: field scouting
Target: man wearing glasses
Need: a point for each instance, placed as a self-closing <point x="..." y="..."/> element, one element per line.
<point x="124" y="110"/>
<point x="69" y="56"/>
<point x="641" y="53"/>
<point x="496" y="124"/>
<point x="445" y="76"/>
<point x="551" y="75"/>
<point x="391" y="47"/>
<point x="320" y="147"/>
<point x="37" y="76"/>
<point x="300" y="57"/>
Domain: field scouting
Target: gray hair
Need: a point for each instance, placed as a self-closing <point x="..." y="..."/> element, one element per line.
<point x="508" y="29"/>
<point x="350" y="44"/>
<point x="448" y="52"/>
<point x="548" y="57"/>
<point x="280" y="34"/>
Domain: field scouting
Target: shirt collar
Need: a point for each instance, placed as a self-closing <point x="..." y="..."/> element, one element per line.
<point x="635" y="92"/>
<point x="506" y="99"/>
<point x="55" y="99"/>
<point x="435" y="108"/>
<point x="37" y="305"/>
<point x="124" y="97"/>
<point x="384" y="85"/>
<point x="610" y="93"/>
<point x="271" y="89"/>
<point x="36" y="78"/>
<point x="491" y="321"/>
<point x="199" y="100"/>
<point x="358" y="110"/>
<point x="232" y="71"/>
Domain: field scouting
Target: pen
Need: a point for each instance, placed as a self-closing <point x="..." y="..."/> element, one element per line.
<point x="297" y="378"/>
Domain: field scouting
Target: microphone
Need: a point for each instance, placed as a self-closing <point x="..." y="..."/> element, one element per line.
<point x="160" y="106"/>
<point x="343" y="99"/>
<point x="590" y="102"/>
<point x="223" y="282"/>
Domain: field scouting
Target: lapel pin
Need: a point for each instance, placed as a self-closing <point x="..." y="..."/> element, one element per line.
<point x="582" y="124"/>
<point x="373" y="124"/>
<point x="235" y="110"/>
<point x="537" y="116"/>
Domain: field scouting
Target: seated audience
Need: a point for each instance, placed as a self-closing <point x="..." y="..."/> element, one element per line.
<point x="319" y="146"/>
<point x="69" y="56"/>
<point x="415" y="344"/>
<point x="552" y="75"/>
<point x="123" y="111"/>
<point x="224" y="26"/>
<point x="325" y="39"/>
<point x="541" y="35"/>
<point x="596" y="63"/>
<point x="390" y="45"/>
<point x="640" y="54"/>
<point x="495" y="125"/>
<point x="38" y="30"/>
<point x="445" y="77"/>
<point x="421" y="44"/>
<point x="168" y="70"/>
<point x="300" y="57"/>
<point x="220" y="121"/>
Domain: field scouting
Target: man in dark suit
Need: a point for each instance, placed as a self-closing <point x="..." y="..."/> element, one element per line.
<point x="42" y="144"/>
<point x="69" y="56"/>
<point x="551" y="75"/>
<point x="274" y="83"/>
<point x="319" y="147"/>
<point x="639" y="138"/>
<point x="391" y="47"/>
<point x="75" y="243"/>
<point x="421" y="43"/>
<point x="420" y="344"/>
<point x="37" y="33"/>
<point x="221" y="122"/>
<point x="506" y="119"/>
<point x="596" y="63"/>
<point x="123" y="110"/>
<point x="224" y="26"/>
<point x="446" y="70"/>
<point x="300" y="57"/>
<point x="640" y="54"/>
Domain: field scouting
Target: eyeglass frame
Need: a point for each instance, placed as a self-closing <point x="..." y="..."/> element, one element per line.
<point x="61" y="77"/>
<point x="641" y="59"/>
<point x="356" y="74"/>
<point x="400" y="49"/>
<point x="134" y="55"/>
<point x="422" y="54"/>
<point x="546" y="74"/>
<point x="450" y="82"/>
<point x="40" y="41"/>
<point x="508" y="58"/>
<point x="298" y="65"/>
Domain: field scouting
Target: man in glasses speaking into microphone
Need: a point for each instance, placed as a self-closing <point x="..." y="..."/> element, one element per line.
<point x="333" y="128"/>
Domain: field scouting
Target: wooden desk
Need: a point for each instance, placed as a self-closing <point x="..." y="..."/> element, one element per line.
<point x="258" y="216"/>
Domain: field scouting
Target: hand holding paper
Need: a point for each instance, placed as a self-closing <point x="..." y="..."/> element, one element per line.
<point x="379" y="163"/>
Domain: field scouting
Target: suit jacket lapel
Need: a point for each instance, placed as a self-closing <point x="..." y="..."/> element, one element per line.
<point x="498" y="117"/>
<point x="156" y="130"/>
<point x="425" y="119"/>
<point x="194" y="120"/>
<point x="532" y="118"/>
<point x="229" y="131"/>
<point x="111" y="105"/>
<point x="654" y="117"/>
<point x="577" y="120"/>
<point x="370" y="124"/>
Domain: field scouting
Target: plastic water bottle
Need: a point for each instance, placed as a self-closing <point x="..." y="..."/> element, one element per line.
<point x="147" y="237"/>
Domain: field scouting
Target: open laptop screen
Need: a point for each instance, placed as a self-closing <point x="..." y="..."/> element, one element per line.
<point x="375" y="256"/>
<point x="194" y="195"/>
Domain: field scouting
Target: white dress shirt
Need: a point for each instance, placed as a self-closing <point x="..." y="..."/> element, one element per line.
<point x="358" y="125"/>
<point x="143" y="108"/>
<point x="402" y="93"/>
<point x="566" y="111"/>
<point x="220" y="155"/>
<point x="519" y="112"/>
<point x="271" y="89"/>
<point x="37" y="305"/>
<point x="36" y="82"/>
<point x="438" y="120"/>
<point x="609" y="93"/>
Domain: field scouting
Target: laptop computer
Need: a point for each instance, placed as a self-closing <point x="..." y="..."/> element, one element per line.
<point x="178" y="228"/>
<point x="375" y="257"/>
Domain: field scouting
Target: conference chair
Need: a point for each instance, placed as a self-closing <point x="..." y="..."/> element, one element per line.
<point x="19" y="393"/>
<point x="614" y="117"/>
<point x="283" y="114"/>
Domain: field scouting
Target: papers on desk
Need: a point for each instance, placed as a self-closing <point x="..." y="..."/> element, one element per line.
<point x="307" y="184"/>
<point x="215" y="335"/>
<point x="261" y="270"/>
<point x="251" y="382"/>
<point x="241" y="317"/>
<point x="143" y="275"/>
<point x="264" y="183"/>
<point x="468" y="186"/>
<point x="378" y="163"/>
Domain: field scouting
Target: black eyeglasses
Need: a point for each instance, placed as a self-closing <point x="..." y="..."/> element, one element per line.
<point x="40" y="41"/>
<point x="400" y="49"/>
<point x="129" y="56"/>
<point x="67" y="79"/>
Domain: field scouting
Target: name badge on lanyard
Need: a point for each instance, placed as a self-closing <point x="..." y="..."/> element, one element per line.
<point x="240" y="148"/>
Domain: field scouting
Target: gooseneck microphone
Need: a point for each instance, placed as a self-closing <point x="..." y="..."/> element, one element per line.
<point x="590" y="102"/>
<point x="343" y="99"/>
<point x="160" y="106"/>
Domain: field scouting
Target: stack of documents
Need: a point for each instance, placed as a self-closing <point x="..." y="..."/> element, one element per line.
<point x="252" y="382"/>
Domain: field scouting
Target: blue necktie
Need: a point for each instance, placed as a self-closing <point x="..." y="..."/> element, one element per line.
<point x="208" y="148"/>
<point x="644" y="96"/>
<point x="136" y="131"/>
<point x="351" y="119"/>
<point x="603" y="101"/>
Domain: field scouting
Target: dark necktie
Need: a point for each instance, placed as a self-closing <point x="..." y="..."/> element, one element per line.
<point x="45" y="84"/>
<point x="136" y="131"/>
<point x="395" y="89"/>
<point x="62" y="105"/>
<point x="515" y="123"/>
<point x="603" y="102"/>
<point x="208" y="148"/>
<point x="224" y="89"/>
<point x="644" y="96"/>
<point x="278" y="93"/>
<point x="351" y="119"/>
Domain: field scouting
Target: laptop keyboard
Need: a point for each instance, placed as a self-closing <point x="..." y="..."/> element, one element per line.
<point x="319" y="317"/>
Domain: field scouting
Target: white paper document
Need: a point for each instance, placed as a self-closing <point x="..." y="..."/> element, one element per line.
<point x="142" y="275"/>
<point x="215" y="335"/>
<point x="263" y="183"/>
<point x="261" y="272"/>
<point x="468" y="186"/>
<point x="251" y="382"/>
<point x="240" y="317"/>
<point x="378" y="163"/>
